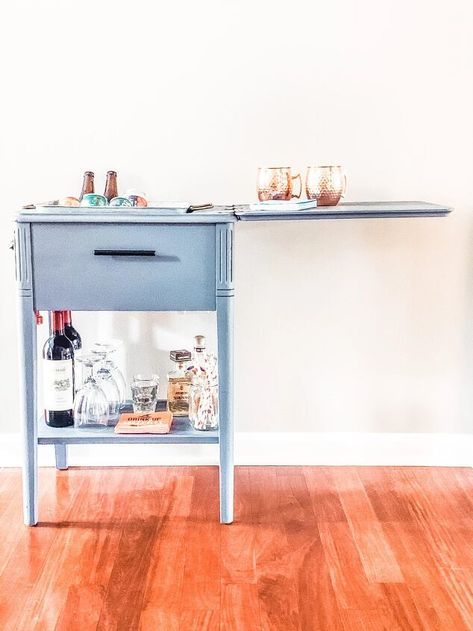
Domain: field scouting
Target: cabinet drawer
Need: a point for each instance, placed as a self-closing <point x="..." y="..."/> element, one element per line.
<point x="115" y="267"/>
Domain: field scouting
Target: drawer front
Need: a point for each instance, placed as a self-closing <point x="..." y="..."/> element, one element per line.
<point x="82" y="267"/>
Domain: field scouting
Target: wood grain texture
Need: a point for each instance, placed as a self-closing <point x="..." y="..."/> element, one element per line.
<point x="311" y="549"/>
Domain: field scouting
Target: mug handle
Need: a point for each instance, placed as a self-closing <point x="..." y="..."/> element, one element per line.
<point x="344" y="189"/>
<point x="295" y="177"/>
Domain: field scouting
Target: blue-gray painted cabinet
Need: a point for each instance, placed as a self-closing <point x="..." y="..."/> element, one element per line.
<point x="142" y="260"/>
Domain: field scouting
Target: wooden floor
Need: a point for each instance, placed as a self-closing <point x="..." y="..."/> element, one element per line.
<point x="313" y="548"/>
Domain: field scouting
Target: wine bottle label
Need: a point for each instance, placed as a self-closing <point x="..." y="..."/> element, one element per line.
<point x="57" y="384"/>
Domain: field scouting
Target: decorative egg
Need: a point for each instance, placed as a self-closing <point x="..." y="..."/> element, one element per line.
<point x="94" y="199"/>
<point x="69" y="201"/>
<point x="120" y="201"/>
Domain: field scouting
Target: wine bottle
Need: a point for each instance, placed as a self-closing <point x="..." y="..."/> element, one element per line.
<point x="58" y="382"/>
<point x="111" y="188"/>
<point x="87" y="184"/>
<point x="72" y="333"/>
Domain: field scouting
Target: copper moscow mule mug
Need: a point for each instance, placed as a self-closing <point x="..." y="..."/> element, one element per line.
<point x="276" y="183"/>
<point x="326" y="184"/>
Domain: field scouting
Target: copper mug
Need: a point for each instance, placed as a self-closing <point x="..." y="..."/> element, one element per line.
<point x="326" y="184"/>
<point x="276" y="183"/>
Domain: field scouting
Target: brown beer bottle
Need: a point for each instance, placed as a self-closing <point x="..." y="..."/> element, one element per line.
<point x="88" y="184"/>
<point x="111" y="189"/>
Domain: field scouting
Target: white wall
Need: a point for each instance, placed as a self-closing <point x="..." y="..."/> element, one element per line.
<point x="340" y="326"/>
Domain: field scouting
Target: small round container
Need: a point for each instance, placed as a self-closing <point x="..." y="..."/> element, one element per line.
<point x="137" y="198"/>
<point x="120" y="201"/>
<point x="69" y="201"/>
<point x="138" y="201"/>
<point x="94" y="199"/>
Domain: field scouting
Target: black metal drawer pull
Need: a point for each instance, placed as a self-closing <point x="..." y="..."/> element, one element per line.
<point x="125" y="252"/>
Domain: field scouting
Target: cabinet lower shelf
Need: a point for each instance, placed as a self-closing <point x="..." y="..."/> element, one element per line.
<point x="181" y="432"/>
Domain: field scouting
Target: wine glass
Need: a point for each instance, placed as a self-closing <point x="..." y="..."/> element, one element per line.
<point x="108" y="384"/>
<point x="90" y="404"/>
<point x="110" y="348"/>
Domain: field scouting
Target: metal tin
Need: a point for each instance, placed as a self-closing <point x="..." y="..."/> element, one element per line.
<point x="94" y="199"/>
<point x="120" y="201"/>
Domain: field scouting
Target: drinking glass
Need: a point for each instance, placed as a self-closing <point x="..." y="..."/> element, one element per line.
<point x="144" y="392"/>
<point x="276" y="183"/>
<point x="110" y="348"/>
<point x="106" y="381"/>
<point x="326" y="184"/>
<point x="90" y="404"/>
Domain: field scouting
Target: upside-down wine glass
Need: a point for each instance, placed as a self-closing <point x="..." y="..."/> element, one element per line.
<point x="90" y="404"/>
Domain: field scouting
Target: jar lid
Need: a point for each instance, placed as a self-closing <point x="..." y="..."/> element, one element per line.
<point x="181" y="355"/>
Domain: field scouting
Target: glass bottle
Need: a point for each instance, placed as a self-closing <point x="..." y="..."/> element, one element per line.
<point x="88" y="184"/>
<point x="72" y="333"/>
<point x="76" y="342"/>
<point x="58" y="380"/>
<point x="111" y="189"/>
<point x="179" y="381"/>
<point x="197" y="364"/>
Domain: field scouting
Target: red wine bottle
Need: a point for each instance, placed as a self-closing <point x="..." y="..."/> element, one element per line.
<point x="72" y="333"/>
<point x="58" y="380"/>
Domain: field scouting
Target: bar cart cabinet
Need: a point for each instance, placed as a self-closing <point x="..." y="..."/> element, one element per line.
<point x="148" y="259"/>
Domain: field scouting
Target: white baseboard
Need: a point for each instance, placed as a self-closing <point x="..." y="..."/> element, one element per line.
<point x="298" y="448"/>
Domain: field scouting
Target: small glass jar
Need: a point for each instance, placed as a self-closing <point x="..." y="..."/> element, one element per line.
<point x="203" y="404"/>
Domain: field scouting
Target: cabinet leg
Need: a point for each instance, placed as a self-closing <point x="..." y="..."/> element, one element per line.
<point x="60" y="451"/>
<point x="27" y="343"/>
<point x="225" y="365"/>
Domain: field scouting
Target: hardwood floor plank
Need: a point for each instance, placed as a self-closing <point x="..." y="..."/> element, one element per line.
<point x="317" y="602"/>
<point x="401" y="607"/>
<point x="459" y="585"/>
<point x="387" y="502"/>
<point x="276" y="582"/>
<point x="423" y="577"/>
<point x="326" y="504"/>
<point x="198" y="620"/>
<point x="240" y="608"/>
<point x="164" y="581"/>
<point x="306" y="557"/>
<point x="28" y="553"/>
<point x="376" y="555"/>
<point x="46" y="598"/>
<point x="352" y="588"/>
<point x="368" y="620"/>
<point x="202" y="571"/>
